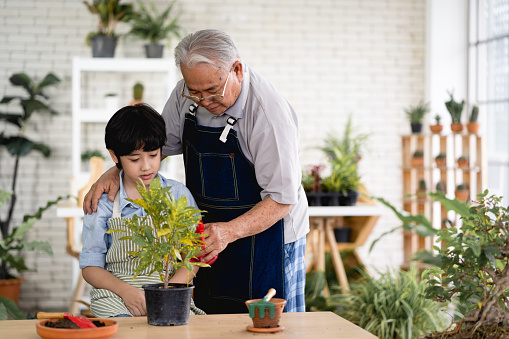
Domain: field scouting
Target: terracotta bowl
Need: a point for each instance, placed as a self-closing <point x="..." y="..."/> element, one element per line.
<point x="103" y="332"/>
<point x="266" y="321"/>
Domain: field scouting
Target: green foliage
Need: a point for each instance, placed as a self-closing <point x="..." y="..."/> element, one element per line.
<point x="307" y="181"/>
<point x="351" y="142"/>
<point x="474" y="258"/>
<point x="391" y="306"/>
<point x="422" y="184"/>
<point x="18" y="145"/>
<point x="11" y="244"/>
<point x="441" y="156"/>
<point x="474" y="115"/>
<point x="164" y="233"/>
<point x="415" y="114"/>
<point x="461" y="187"/>
<point x="455" y="108"/>
<point x="437" y="119"/>
<point x="344" y="176"/>
<point x="91" y="153"/>
<point x="9" y="310"/>
<point x="418" y="154"/>
<point x="156" y="26"/>
<point x="109" y="13"/>
<point x="441" y="186"/>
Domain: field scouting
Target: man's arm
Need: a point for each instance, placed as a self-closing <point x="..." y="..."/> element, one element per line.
<point x="262" y="216"/>
<point x="109" y="183"/>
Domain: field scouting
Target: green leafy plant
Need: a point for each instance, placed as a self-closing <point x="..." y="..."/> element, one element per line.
<point x="474" y="115"/>
<point x="473" y="264"/>
<point x="164" y="233"/>
<point x="350" y="142"/>
<point x="418" y="154"/>
<point x="156" y="26"/>
<point x="18" y="145"/>
<point x="344" y="175"/>
<point x="109" y="13"/>
<point x="461" y="187"/>
<point x="441" y="156"/>
<point x="455" y="108"/>
<point x="415" y="114"/>
<point x="422" y="185"/>
<point x="440" y="187"/>
<point x="391" y="306"/>
<point x="437" y="119"/>
<point x="85" y="156"/>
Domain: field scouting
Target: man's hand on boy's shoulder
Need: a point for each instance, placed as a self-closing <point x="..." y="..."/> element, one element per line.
<point x="109" y="183"/>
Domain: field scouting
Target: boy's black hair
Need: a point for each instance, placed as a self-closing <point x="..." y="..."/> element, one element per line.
<point x="132" y="128"/>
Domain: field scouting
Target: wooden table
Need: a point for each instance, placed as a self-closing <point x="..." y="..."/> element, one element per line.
<point x="321" y="325"/>
<point x="322" y="220"/>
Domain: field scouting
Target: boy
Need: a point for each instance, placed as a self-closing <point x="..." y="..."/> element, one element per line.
<point x="134" y="136"/>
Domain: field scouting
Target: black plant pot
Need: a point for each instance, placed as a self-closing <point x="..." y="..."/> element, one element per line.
<point x="314" y="198"/>
<point x="168" y="307"/>
<point x="154" y="50"/>
<point x="103" y="46"/>
<point x="342" y="234"/>
<point x="416" y="127"/>
<point x="348" y="200"/>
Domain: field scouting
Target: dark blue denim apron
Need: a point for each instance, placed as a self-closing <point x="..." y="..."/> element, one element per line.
<point x="223" y="183"/>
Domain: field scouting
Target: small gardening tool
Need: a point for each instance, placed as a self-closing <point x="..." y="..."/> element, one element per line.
<point x="200" y="229"/>
<point x="81" y="321"/>
<point x="262" y="305"/>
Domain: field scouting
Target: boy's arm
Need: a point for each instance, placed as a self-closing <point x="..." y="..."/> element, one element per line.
<point x="180" y="277"/>
<point x="133" y="297"/>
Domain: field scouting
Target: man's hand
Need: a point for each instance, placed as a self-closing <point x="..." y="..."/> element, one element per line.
<point x="134" y="300"/>
<point x="109" y="183"/>
<point x="219" y="236"/>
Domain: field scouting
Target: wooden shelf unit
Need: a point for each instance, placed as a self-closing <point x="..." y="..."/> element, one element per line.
<point x="453" y="146"/>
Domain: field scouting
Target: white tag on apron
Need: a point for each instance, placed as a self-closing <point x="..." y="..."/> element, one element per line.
<point x="229" y="124"/>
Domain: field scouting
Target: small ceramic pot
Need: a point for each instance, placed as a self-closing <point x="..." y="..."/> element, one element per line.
<point x="436" y="129"/>
<point x="267" y="321"/>
<point x="462" y="195"/>
<point x="417" y="161"/>
<point x="473" y="127"/>
<point x="456" y="127"/>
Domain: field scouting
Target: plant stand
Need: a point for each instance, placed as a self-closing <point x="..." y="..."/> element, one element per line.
<point x="361" y="218"/>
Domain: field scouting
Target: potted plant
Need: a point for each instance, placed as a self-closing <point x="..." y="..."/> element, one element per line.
<point x="437" y="127"/>
<point x="166" y="237"/>
<point x="138" y="89"/>
<point x="455" y="109"/>
<point x="473" y="270"/>
<point x="440" y="187"/>
<point x="463" y="162"/>
<point x="109" y="13"/>
<point x="421" y="188"/>
<point x="312" y="184"/>
<point x="415" y="115"/>
<point x="350" y="142"/>
<point x="417" y="159"/>
<point x="89" y="154"/>
<point x="441" y="160"/>
<point x="154" y="27"/>
<point x="343" y="182"/>
<point x="473" y="125"/>
<point x="462" y="192"/>
<point x="19" y="145"/>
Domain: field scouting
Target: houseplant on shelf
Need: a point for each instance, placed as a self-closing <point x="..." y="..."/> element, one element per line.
<point x="138" y="89"/>
<point x="109" y="13"/>
<point x="154" y="27"/>
<point x="463" y="162"/>
<point x="455" y="108"/>
<point x="162" y="235"/>
<point x="473" y="125"/>
<point x="441" y="160"/>
<point x="462" y="192"/>
<point x="417" y="159"/>
<point x="312" y="184"/>
<point x="343" y="182"/>
<point x="19" y="146"/>
<point x="437" y="127"/>
<point x="415" y="115"/>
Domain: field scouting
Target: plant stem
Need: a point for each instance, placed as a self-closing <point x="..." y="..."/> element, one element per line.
<point x="166" y="273"/>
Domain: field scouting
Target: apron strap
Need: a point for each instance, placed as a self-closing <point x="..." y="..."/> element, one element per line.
<point x="116" y="203"/>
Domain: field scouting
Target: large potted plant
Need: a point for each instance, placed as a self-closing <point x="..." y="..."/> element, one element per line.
<point x="455" y="108"/>
<point x="156" y="26"/>
<point x="163" y="234"/>
<point x="19" y="146"/>
<point x="415" y="114"/>
<point x="109" y="13"/>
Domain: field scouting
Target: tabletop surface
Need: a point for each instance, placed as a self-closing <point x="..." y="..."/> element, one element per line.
<point x="321" y="325"/>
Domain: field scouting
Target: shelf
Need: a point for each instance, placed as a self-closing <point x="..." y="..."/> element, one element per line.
<point x="342" y="211"/>
<point x="124" y="65"/>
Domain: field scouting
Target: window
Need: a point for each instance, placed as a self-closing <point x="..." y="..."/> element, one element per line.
<point x="488" y="84"/>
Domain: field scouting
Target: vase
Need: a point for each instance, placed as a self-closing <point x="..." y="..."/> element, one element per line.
<point x="103" y="46"/>
<point x="11" y="288"/>
<point x="168" y="306"/>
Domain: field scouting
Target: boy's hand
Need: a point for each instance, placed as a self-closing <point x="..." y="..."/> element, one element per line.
<point x="134" y="300"/>
<point x="109" y="183"/>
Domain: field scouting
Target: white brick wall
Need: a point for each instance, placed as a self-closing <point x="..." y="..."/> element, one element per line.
<point x="329" y="58"/>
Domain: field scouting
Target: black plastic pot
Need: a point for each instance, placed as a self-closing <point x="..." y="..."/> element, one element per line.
<point x="154" y="50"/>
<point x="348" y="200"/>
<point x="103" y="46"/>
<point x="342" y="234"/>
<point x="416" y="127"/>
<point x="168" y="307"/>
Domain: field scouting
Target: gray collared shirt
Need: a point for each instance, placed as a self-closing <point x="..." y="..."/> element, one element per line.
<point x="267" y="128"/>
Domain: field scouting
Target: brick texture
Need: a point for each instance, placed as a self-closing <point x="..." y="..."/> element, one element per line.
<point x="330" y="58"/>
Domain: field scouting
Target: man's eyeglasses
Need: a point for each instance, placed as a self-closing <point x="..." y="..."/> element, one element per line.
<point x="211" y="98"/>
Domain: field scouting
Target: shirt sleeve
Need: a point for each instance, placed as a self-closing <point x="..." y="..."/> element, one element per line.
<point x="94" y="238"/>
<point x="174" y="123"/>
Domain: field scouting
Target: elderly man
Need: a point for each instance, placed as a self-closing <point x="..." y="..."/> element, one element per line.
<point x="239" y="138"/>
